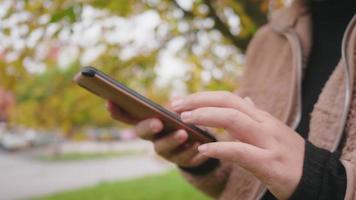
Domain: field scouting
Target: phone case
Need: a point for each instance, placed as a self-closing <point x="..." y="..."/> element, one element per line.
<point x="135" y="104"/>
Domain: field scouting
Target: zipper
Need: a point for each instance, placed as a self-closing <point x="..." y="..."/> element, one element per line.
<point x="296" y="99"/>
<point x="297" y="52"/>
<point x="293" y="38"/>
<point x="348" y="81"/>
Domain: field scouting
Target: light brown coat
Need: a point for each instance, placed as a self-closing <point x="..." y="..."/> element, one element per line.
<point x="271" y="79"/>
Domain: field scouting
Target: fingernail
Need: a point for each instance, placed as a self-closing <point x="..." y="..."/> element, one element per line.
<point x="177" y="103"/>
<point x="185" y="116"/>
<point x="202" y="148"/>
<point x="180" y="135"/>
<point x="154" y="126"/>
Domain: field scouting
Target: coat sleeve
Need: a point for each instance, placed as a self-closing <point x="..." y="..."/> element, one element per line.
<point x="350" y="168"/>
<point x="324" y="175"/>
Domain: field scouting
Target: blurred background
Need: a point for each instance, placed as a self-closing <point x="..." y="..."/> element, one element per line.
<point x="57" y="141"/>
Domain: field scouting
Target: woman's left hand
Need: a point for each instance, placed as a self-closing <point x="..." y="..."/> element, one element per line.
<point x="265" y="146"/>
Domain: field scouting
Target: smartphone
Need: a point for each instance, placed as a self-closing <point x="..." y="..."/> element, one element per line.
<point x="136" y="104"/>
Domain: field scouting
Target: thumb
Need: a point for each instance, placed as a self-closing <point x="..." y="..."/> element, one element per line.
<point x="246" y="155"/>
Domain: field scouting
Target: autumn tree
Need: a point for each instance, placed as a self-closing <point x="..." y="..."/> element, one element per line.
<point x="199" y="44"/>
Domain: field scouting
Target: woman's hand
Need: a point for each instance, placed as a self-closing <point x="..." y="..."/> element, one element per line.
<point x="266" y="147"/>
<point x="170" y="147"/>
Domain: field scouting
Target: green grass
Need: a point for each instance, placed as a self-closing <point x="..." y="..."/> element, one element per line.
<point x="86" y="156"/>
<point x="169" y="186"/>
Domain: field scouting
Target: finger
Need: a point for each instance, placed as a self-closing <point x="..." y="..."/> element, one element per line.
<point x="168" y="105"/>
<point x="246" y="155"/>
<point x="184" y="158"/>
<point x="119" y="114"/>
<point x="148" y="128"/>
<point x="198" y="159"/>
<point x="216" y="99"/>
<point x="166" y="145"/>
<point x="249" y="100"/>
<point x="241" y="126"/>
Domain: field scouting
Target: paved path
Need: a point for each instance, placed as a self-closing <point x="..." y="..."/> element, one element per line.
<point x="21" y="177"/>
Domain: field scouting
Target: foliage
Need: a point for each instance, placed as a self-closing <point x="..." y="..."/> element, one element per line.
<point x="43" y="43"/>
<point x="52" y="100"/>
<point x="167" y="186"/>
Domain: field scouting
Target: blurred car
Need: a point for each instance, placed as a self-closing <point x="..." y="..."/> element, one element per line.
<point x="40" y="139"/>
<point x="103" y="134"/>
<point x="21" y="138"/>
<point x="12" y="142"/>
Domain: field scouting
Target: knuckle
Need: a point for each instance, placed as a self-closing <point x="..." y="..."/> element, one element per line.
<point x="196" y="114"/>
<point x="266" y="114"/>
<point x="274" y="157"/>
<point x="270" y="156"/>
<point x="192" y="99"/>
<point x="231" y="119"/>
<point x="268" y="172"/>
<point x="225" y="95"/>
<point x="269" y="175"/>
<point x="233" y="115"/>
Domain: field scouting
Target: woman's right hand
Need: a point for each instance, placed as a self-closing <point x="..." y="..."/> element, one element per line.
<point x="171" y="146"/>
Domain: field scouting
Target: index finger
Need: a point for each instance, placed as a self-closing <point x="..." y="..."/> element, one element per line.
<point x="238" y="124"/>
<point x="217" y="99"/>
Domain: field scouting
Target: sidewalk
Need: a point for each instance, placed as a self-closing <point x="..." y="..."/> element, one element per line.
<point x="22" y="177"/>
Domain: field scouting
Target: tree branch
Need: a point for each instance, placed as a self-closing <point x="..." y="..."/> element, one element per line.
<point x="186" y="13"/>
<point x="219" y="24"/>
<point x="224" y="28"/>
